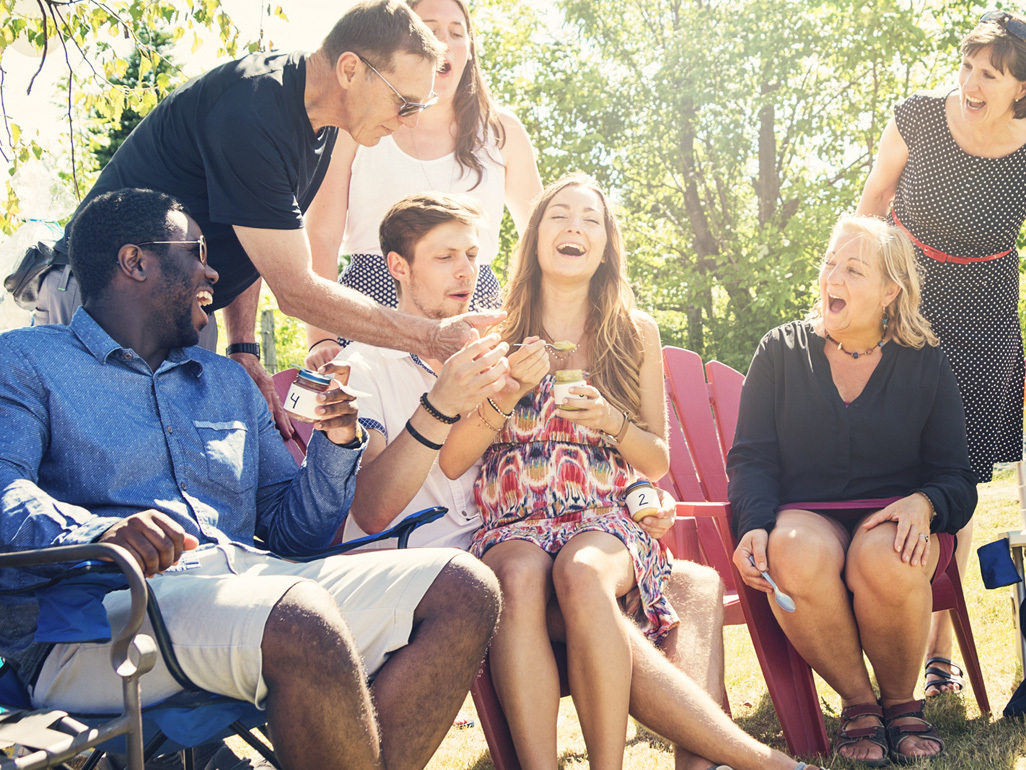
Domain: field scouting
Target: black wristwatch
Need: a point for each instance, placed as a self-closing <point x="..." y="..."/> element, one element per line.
<point x="253" y="348"/>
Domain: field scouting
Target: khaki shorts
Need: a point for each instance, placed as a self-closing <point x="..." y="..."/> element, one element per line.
<point x="215" y="604"/>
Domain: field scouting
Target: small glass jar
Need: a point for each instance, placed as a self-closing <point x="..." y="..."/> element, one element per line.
<point x="642" y="500"/>
<point x="301" y="401"/>
<point x="564" y="380"/>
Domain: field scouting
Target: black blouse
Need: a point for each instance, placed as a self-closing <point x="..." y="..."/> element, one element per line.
<point x="797" y="441"/>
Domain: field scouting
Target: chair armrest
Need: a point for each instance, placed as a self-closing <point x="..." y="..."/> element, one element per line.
<point x="705" y="510"/>
<point x="121" y="646"/>
<point x="402" y="531"/>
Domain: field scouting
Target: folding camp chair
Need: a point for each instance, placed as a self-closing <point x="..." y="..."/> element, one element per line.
<point x="187" y="719"/>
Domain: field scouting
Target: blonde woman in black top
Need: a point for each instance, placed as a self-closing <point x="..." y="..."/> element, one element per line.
<point x="856" y="403"/>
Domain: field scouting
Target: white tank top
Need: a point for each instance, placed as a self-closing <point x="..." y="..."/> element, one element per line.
<point x="384" y="174"/>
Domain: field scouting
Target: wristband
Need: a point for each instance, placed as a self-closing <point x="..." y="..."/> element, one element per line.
<point x="421" y="439"/>
<point x="443" y="418"/>
<point x="253" y="348"/>
<point x="326" y="339"/>
<point x="484" y="420"/>
<point x="620" y="434"/>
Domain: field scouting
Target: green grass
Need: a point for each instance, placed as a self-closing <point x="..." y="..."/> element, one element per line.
<point x="974" y="742"/>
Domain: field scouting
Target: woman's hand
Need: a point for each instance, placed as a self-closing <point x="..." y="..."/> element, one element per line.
<point x="528" y="365"/>
<point x="659" y="523"/>
<point x="592" y="410"/>
<point x="753" y="544"/>
<point x="912" y="515"/>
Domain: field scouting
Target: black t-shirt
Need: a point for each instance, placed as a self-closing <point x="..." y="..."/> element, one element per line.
<point x="236" y="147"/>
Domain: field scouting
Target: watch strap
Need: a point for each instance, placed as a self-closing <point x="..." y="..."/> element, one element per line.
<point x="253" y="348"/>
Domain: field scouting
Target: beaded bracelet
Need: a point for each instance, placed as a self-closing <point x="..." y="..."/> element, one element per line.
<point x="495" y="406"/>
<point x="435" y="413"/>
<point x="421" y="439"/>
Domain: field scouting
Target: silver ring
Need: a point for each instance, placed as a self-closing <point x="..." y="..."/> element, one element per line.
<point x="925" y="538"/>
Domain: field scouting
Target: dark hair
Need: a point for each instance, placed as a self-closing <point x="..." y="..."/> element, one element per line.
<point x="473" y="106"/>
<point x="108" y="222"/>
<point x="416" y="215"/>
<point x="378" y="30"/>
<point x="1007" y="52"/>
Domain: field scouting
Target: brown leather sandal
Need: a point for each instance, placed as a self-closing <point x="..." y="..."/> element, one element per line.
<point x="898" y="733"/>
<point x="874" y="734"/>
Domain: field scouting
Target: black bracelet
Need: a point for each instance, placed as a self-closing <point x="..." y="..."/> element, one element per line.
<point x="435" y="413"/>
<point x="495" y="406"/>
<point x="421" y="439"/>
<point x="326" y="339"/>
<point x="253" y="348"/>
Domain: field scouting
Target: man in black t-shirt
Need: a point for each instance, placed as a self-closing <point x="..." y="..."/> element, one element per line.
<point x="245" y="147"/>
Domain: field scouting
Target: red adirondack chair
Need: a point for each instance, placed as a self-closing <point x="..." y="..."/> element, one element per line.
<point x="297" y="446"/>
<point x="706" y="417"/>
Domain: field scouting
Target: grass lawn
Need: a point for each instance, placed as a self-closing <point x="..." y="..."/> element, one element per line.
<point x="974" y="742"/>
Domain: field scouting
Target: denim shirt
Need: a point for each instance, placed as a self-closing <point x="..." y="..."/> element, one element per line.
<point x="89" y="435"/>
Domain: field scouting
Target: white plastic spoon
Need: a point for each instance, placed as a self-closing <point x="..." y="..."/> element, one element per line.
<point x="785" y="602"/>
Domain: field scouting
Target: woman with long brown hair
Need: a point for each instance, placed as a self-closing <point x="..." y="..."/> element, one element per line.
<point x="552" y="488"/>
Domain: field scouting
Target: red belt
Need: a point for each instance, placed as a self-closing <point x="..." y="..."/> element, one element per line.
<point x="941" y="256"/>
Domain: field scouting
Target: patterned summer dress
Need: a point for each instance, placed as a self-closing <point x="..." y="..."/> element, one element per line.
<point x="544" y="479"/>
<point x="969" y="206"/>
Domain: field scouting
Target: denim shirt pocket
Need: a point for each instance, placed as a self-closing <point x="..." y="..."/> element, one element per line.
<point x="224" y="446"/>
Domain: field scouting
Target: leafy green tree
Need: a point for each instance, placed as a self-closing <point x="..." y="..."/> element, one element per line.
<point x="110" y="133"/>
<point x="732" y="135"/>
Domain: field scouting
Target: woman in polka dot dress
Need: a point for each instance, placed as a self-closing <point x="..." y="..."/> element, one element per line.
<point x="951" y="173"/>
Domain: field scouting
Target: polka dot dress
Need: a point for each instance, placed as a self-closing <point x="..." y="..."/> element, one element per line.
<point x="969" y="206"/>
<point x="368" y="274"/>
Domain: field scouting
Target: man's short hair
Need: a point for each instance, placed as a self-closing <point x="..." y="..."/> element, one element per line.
<point x="378" y="30"/>
<point x="107" y="223"/>
<point x="414" y="216"/>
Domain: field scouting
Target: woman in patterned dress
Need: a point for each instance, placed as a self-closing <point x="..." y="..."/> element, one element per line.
<point x="951" y="173"/>
<point x="465" y="143"/>
<point x="552" y="482"/>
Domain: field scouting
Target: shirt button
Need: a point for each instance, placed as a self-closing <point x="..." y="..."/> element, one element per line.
<point x="184" y="486"/>
<point x="170" y="430"/>
<point x="127" y="356"/>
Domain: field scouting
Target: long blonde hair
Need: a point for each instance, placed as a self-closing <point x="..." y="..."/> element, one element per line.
<point x="616" y="343"/>
<point x="892" y="251"/>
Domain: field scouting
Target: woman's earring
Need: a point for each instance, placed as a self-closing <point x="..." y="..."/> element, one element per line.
<point x="885" y="319"/>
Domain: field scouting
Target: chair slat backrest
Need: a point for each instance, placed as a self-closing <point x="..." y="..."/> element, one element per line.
<point x="690" y="399"/>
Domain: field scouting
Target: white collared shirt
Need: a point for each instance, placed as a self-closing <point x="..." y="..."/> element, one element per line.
<point x="396" y="381"/>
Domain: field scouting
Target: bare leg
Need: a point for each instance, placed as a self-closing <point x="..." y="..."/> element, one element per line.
<point x="589" y="573"/>
<point x="672" y="705"/>
<point x="939" y="644"/>
<point x="696" y="645"/>
<point x="420" y="689"/>
<point x="318" y="705"/>
<point x="806" y="558"/>
<point x="892" y="602"/>
<point x="522" y="664"/>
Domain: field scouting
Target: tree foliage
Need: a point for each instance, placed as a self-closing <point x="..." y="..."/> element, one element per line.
<point x="731" y="134"/>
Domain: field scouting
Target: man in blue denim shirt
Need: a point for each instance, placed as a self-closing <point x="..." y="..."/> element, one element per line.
<point x="116" y="429"/>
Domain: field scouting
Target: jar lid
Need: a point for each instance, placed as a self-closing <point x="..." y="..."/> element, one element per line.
<point x="323" y="380"/>
<point x="639" y="483"/>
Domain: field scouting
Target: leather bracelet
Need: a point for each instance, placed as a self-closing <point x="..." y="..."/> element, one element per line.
<point x="493" y="405"/>
<point x="326" y="339"/>
<point x="253" y="348"/>
<point x="622" y="433"/>
<point x="429" y="407"/>
<point x="421" y="439"/>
